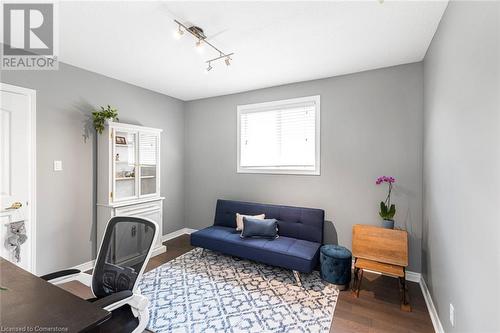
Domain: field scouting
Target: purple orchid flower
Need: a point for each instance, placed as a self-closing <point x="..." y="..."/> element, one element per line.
<point x="385" y="179"/>
<point x="387" y="210"/>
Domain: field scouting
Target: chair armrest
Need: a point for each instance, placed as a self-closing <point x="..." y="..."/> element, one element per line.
<point x="113" y="298"/>
<point x="56" y="275"/>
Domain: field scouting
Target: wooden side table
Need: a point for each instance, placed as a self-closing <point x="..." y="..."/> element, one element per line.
<point x="381" y="250"/>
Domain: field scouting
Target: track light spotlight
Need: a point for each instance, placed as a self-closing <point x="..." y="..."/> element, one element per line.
<point x="199" y="45"/>
<point x="178" y="33"/>
<point x="209" y="68"/>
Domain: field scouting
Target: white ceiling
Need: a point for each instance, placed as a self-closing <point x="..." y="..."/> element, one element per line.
<point x="274" y="42"/>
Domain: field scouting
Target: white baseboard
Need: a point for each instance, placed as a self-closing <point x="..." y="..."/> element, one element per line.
<point x="90" y="264"/>
<point x="158" y="250"/>
<point x="177" y="233"/>
<point x="436" y="322"/>
<point x="85" y="266"/>
<point x="413" y="276"/>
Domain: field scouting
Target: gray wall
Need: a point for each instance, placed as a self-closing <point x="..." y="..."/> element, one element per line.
<point x="371" y="125"/>
<point x="461" y="256"/>
<point x="66" y="200"/>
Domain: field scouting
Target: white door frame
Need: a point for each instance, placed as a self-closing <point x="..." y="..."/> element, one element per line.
<point x="31" y="94"/>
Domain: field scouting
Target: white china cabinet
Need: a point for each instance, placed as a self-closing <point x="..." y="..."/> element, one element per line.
<point x="128" y="178"/>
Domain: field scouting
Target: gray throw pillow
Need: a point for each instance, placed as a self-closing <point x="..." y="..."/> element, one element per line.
<point x="267" y="228"/>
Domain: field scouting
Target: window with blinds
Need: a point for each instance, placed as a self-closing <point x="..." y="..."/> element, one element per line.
<point x="279" y="137"/>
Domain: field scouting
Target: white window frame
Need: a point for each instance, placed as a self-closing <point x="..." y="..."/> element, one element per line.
<point x="259" y="107"/>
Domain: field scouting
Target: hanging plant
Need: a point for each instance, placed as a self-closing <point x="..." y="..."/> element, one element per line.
<point x="100" y="116"/>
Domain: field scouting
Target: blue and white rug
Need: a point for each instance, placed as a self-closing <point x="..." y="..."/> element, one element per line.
<point x="219" y="293"/>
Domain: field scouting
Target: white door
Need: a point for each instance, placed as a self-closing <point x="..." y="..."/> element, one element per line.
<point x="17" y="175"/>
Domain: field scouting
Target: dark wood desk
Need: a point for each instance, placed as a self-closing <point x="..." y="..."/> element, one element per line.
<point x="31" y="302"/>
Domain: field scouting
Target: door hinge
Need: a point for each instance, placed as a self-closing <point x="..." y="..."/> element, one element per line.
<point x="111" y="195"/>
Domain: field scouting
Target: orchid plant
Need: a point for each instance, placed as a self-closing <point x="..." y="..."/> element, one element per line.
<point x="387" y="210"/>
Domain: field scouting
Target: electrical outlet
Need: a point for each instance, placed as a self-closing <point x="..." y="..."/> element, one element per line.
<point x="57" y="165"/>
<point x="452" y="315"/>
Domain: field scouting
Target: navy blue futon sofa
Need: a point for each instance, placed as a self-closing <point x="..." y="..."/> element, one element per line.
<point x="297" y="248"/>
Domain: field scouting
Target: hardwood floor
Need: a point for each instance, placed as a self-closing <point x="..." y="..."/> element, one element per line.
<point x="376" y="309"/>
<point x="175" y="247"/>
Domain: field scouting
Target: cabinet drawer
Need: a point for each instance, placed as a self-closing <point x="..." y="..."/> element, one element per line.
<point x="139" y="209"/>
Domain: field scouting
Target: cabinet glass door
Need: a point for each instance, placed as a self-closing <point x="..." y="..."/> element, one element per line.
<point x="148" y="163"/>
<point x="124" y="165"/>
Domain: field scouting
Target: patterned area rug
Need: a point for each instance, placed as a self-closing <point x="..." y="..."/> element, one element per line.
<point x="219" y="293"/>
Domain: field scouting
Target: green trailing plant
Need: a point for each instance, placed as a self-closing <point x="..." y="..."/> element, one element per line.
<point x="100" y="116"/>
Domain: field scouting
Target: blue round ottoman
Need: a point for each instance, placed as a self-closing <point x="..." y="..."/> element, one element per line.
<point x="336" y="262"/>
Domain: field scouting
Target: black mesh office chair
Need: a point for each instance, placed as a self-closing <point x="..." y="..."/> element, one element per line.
<point x="124" y="253"/>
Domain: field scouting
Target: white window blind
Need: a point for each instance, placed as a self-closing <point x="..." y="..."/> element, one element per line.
<point x="279" y="136"/>
<point x="147" y="149"/>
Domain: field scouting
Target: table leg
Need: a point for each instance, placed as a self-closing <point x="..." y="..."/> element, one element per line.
<point x="405" y="303"/>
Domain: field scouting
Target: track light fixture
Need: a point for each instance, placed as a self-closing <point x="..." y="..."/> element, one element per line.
<point x="198" y="33"/>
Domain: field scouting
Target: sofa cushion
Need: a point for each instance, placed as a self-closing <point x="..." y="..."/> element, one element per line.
<point x="286" y="252"/>
<point x="266" y="228"/>
<point x="239" y="219"/>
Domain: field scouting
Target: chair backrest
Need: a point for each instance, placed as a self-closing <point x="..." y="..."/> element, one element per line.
<point x="124" y="253"/>
<point x="295" y="222"/>
<point x="383" y="245"/>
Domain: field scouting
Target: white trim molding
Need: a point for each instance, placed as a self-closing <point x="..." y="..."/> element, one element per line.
<point x="413" y="276"/>
<point x="177" y="233"/>
<point x="85" y="266"/>
<point x="436" y="322"/>
<point x="90" y="264"/>
<point x="31" y="94"/>
<point x="273" y="106"/>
